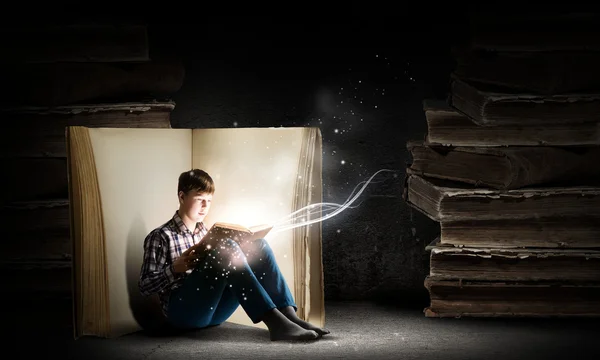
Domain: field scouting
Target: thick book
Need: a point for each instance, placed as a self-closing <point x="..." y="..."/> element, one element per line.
<point x="68" y="83"/>
<point x="507" y="167"/>
<point x="445" y="200"/>
<point x="529" y="264"/>
<point x="123" y="184"/>
<point x="39" y="131"/>
<point x="477" y="298"/>
<point x="538" y="72"/>
<point x="488" y="105"/>
<point x="543" y="232"/>
<point x="448" y="126"/>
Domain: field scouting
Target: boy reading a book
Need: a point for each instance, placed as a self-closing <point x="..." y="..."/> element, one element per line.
<point x="200" y="288"/>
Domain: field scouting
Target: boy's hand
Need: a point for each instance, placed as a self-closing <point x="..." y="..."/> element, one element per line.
<point x="186" y="261"/>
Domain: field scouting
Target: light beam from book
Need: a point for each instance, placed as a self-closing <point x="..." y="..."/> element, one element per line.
<point x="220" y="231"/>
<point x="291" y="221"/>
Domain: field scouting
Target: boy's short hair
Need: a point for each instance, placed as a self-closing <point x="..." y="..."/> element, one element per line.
<point x="197" y="180"/>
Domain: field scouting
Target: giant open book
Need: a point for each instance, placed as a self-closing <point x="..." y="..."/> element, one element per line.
<point x="123" y="184"/>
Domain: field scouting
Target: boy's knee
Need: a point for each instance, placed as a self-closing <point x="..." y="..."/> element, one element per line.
<point x="263" y="245"/>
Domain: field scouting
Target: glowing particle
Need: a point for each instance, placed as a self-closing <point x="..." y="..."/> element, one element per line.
<point x="336" y="131"/>
<point x="208" y="246"/>
<point x="343" y="162"/>
<point x="339" y="231"/>
<point x="235" y="123"/>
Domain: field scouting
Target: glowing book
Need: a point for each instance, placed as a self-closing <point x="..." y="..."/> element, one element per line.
<point x="239" y="233"/>
<point x="123" y="184"/>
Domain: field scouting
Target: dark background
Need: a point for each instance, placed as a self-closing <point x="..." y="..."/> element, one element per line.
<point x="360" y="74"/>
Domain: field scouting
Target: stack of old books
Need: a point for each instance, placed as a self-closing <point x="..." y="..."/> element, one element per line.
<point x="510" y="168"/>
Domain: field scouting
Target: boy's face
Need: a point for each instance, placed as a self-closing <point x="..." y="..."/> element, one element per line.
<point x="194" y="205"/>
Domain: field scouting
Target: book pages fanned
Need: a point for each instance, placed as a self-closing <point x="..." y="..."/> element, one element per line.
<point x="261" y="175"/>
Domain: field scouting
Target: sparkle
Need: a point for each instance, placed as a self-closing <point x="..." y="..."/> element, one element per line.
<point x="338" y="231"/>
<point x="234" y="124"/>
<point x="343" y="162"/>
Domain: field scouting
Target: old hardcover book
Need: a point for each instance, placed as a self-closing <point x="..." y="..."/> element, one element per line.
<point x="531" y="264"/>
<point x="545" y="232"/>
<point x="123" y="183"/>
<point x="447" y="126"/>
<point x="61" y="84"/>
<point x="507" y="167"/>
<point x="239" y="233"/>
<point x="444" y="200"/>
<point x="538" y="72"/>
<point x="476" y="298"/>
<point x="487" y="105"/>
<point x="39" y="131"/>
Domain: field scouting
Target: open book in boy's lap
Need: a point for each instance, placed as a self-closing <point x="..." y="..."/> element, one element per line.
<point x="123" y="184"/>
<point x="221" y="231"/>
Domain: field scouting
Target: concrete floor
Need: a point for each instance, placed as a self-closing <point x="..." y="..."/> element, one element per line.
<point x="359" y="331"/>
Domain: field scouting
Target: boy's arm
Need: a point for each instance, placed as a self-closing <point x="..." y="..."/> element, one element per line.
<point x="156" y="275"/>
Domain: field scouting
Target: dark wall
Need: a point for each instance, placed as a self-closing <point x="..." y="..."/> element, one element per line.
<point x="365" y="79"/>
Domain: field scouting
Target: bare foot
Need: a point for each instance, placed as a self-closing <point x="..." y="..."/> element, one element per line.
<point x="289" y="313"/>
<point x="281" y="328"/>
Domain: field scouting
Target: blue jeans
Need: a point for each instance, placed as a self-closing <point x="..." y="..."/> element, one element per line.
<point x="229" y="276"/>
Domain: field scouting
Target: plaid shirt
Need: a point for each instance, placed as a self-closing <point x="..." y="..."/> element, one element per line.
<point x="161" y="247"/>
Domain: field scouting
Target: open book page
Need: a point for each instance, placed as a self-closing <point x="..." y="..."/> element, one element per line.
<point x="137" y="174"/>
<point x="255" y="171"/>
